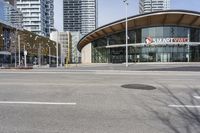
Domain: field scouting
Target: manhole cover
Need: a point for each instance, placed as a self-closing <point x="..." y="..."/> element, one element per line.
<point x="138" y="86"/>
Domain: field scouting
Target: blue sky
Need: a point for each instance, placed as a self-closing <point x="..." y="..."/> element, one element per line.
<point x="112" y="10"/>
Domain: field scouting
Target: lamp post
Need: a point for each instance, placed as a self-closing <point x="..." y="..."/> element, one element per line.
<point x="49" y="55"/>
<point x="39" y="55"/>
<point x="188" y="46"/>
<point x="15" y="54"/>
<point x="14" y="42"/>
<point x="25" y="54"/>
<point x="39" y="52"/>
<point x="2" y="49"/>
<point x="19" y="58"/>
<point x="13" y="39"/>
<point x="57" y="50"/>
<point x="126" y="3"/>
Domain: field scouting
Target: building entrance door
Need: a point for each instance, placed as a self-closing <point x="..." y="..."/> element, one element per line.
<point x="165" y="57"/>
<point x="152" y="57"/>
<point x="117" y="55"/>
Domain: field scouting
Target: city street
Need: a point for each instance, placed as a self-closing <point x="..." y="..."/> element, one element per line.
<point x="95" y="101"/>
<point x="107" y="66"/>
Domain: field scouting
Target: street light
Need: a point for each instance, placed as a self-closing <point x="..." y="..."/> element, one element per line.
<point x="13" y="45"/>
<point x="16" y="36"/>
<point x="19" y="58"/>
<point x="188" y="46"/>
<point x="2" y="44"/>
<point x="36" y="37"/>
<point x="126" y="3"/>
<point x="39" y="52"/>
<point x="39" y="55"/>
<point x="49" y="54"/>
<point x="57" y="50"/>
<point x="25" y="54"/>
<point x="15" y="53"/>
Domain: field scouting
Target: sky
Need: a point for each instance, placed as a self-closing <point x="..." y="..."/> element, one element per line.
<point x="112" y="10"/>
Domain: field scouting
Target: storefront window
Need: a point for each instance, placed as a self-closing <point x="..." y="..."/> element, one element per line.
<point x="160" y="52"/>
<point x="195" y="35"/>
<point x="164" y="32"/>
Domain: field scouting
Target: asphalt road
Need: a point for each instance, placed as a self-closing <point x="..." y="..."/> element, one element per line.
<point x="183" y="66"/>
<point x="61" y="101"/>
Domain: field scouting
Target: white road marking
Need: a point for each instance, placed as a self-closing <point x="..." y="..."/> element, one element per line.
<point x="103" y="72"/>
<point x="197" y="97"/>
<point x="35" y="103"/>
<point x="184" y="106"/>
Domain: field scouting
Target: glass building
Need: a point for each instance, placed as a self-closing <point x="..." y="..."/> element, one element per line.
<point x="146" y="6"/>
<point x="80" y="15"/>
<point x="14" y="41"/>
<point x="38" y="15"/>
<point x="13" y="15"/>
<point x="2" y="8"/>
<point x="40" y="50"/>
<point x="65" y="41"/>
<point x="164" y="36"/>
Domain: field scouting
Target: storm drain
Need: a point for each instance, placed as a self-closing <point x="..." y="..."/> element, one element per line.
<point x="138" y="86"/>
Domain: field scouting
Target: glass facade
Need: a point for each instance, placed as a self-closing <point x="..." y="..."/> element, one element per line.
<point x="80" y="15"/>
<point x="151" y="44"/>
<point x="40" y="50"/>
<point x="38" y="16"/>
<point x="146" y="6"/>
<point x="2" y="13"/>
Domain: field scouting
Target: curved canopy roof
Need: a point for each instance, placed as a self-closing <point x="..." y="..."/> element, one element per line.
<point x="167" y="17"/>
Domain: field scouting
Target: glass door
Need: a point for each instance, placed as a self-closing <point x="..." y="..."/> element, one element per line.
<point x="165" y="57"/>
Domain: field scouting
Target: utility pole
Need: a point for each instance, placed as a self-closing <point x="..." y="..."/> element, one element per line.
<point x="25" y="54"/>
<point x="126" y="4"/>
<point x="19" y="58"/>
<point x="39" y="55"/>
<point x="188" y="45"/>
<point x="57" y="50"/>
<point x="49" y="55"/>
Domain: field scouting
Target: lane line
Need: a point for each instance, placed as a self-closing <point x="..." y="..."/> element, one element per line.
<point x="197" y="97"/>
<point x="35" y="103"/>
<point x="104" y="72"/>
<point x="184" y="106"/>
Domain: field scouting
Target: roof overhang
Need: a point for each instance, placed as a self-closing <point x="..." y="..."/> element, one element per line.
<point x="167" y="17"/>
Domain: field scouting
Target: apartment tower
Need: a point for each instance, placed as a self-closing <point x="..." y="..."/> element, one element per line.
<point x="38" y="16"/>
<point x="146" y="6"/>
<point x="80" y="15"/>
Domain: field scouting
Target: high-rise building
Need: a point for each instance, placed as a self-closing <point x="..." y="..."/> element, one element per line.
<point x="76" y="55"/>
<point x="2" y="11"/>
<point x="13" y="15"/>
<point x="65" y="41"/>
<point x="12" y="2"/>
<point x="80" y="15"/>
<point x="50" y="16"/>
<point x="10" y="19"/>
<point x="37" y="15"/>
<point x="146" y="6"/>
<point x="9" y="14"/>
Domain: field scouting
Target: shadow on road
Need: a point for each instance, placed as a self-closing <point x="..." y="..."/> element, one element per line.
<point x="178" y="120"/>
